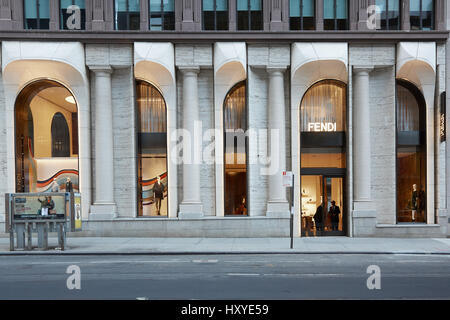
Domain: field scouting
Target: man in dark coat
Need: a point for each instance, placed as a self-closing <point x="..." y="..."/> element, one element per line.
<point x="318" y="218"/>
<point x="334" y="213"/>
<point x="69" y="185"/>
<point x="158" y="193"/>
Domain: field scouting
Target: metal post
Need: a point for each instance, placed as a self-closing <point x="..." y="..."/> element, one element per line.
<point x="30" y="241"/>
<point x="292" y="213"/>
<point x="11" y="239"/>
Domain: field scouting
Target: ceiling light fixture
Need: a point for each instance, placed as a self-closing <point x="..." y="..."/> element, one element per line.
<point x="70" y="99"/>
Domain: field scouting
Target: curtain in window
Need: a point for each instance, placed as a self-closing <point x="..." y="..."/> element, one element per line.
<point x="407" y="110"/>
<point x="325" y="102"/>
<point x="235" y="109"/>
<point x="152" y="108"/>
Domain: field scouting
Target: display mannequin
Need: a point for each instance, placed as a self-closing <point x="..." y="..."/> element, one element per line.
<point x="158" y="193"/>
<point x="414" y="202"/>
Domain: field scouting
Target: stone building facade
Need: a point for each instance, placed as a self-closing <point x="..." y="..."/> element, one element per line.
<point x="196" y="71"/>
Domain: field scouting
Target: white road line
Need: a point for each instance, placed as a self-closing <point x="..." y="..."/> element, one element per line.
<point x="243" y="274"/>
<point x="205" y="261"/>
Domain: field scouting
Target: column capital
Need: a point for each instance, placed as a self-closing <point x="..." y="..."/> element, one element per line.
<point x="362" y="69"/>
<point x="276" y="69"/>
<point x="101" y="69"/>
<point x="189" y="69"/>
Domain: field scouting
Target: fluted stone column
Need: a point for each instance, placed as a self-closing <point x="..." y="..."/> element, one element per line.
<point x="277" y="205"/>
<point x="361" y="139"/>
<point x="104" y="205"/>
<point x="191" y="206"/>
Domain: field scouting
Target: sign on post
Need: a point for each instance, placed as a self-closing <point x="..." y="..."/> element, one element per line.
<point x="288" y="182"/>
<point x="288" y="179"/>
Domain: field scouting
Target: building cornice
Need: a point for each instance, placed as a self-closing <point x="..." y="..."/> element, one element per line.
<point x="215" y="36"/>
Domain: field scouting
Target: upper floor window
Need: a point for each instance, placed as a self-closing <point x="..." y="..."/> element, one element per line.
<point x="127" y="14"/>
<point x="249" y="15"/>
<point x="390" y="14"/>
<point x="162" y="15"/>
<point x="73" y="14"/>
<point x="301" y="15"/>
<point x="421" y="14"/>
<point x="37" y="14"/>
<point x="215" y="14"/>
<point x="335" y="14"/>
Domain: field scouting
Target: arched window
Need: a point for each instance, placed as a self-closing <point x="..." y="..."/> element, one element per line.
<point x="46" y="120"/>
<point x="323" y="158"/>
<point x="235" y="146"/>
<point x="411" y="154"/>
<point x="60" y="136"/>
<point x="152" y="150"/>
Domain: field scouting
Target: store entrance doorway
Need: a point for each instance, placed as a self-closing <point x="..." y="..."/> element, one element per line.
<point x="323" y="207"/>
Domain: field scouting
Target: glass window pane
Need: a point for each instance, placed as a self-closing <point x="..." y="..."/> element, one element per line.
<point x="65" y="4"/>
<point x="44" y="9"/>
<point x="134" y="5"/>
<point x="341" y="9"/>
<point x="208" y="5"/>
<point x="155" y="5"/>
<point x="121" y="5"/>
<point x="394" y="5"/>
<point x="255" y="5"/>
<point x="221" y="5"/>
<point x="427" y="5"/>
<point x="30" y="9"/>
<point x="168" y="5"/>
<point x="328" y="9"/>
<point x="294" y="8"/>
<point x="414" y="5"/>
<point x="308" y="8"/>
<point x="242" y="5"/>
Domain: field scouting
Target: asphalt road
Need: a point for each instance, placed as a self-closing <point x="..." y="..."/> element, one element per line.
<point x="236" y="277"/>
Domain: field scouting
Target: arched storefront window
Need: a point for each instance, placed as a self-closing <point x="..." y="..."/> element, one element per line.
<point x="323" y="159"/>
<point x="46" y="137"/>
<point x="152" y="151"/>
<point x="411" y="154"/>
<point x="235" y="146"/>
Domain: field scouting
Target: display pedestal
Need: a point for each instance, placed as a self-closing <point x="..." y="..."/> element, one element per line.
<point x="278" y="209"/>
<point x="103" y="212"/>
<point x="191" y="210"/>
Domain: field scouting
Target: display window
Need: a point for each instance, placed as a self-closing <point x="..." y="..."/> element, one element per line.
<point x="152" y="151"/>
<point x="411" y="154"/>
<point x="235" y="144"/>
<point x="323" y="159"/>
<point x="46" y="139"/>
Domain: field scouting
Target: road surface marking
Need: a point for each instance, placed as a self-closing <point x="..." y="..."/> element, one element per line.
<point x="243" y="274"/>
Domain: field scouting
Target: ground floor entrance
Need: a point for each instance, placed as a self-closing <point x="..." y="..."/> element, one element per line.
<point x="323" y="211"/>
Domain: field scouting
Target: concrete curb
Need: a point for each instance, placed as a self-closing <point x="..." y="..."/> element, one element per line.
<point x="174" y="253"/>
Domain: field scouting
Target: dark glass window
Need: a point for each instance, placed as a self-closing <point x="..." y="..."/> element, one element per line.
<point x="215" y="14"/>
<point x="235" y="125"/>
<point x="152" y="151"/>
<point x="250" y="15"/>
<point x="335" y="14"/>
<point x="411" y="154"/>
<point x="127" y="14"/>
<point x="302" y="15"/>
<point x="60" y="136"/>
<point x="390" y="14"/>
<point x="421" y="14"/>
<point x="162" y="15"/>
<point x="37" y="14"/>
<point x="70" y="19"/>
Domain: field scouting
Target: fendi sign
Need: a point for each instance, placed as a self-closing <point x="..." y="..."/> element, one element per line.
<point x="322" y="126"/>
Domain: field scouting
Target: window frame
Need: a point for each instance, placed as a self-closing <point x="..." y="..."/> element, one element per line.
<point x="116" y="25"/>
<point x="433" y="20"/>
<point x="162" y="12"/>
<point x="215" y="17"/>
<point x="38" y="16"/>
<point x="302" y="17"/>
<point x="62" y="25"/>
<point x="335" y="19"/>
<point x="249" y="16"/>
<point x="386" y="2"/>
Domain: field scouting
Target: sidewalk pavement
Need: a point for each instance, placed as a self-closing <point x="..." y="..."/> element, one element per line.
<point x="156" y="246"/>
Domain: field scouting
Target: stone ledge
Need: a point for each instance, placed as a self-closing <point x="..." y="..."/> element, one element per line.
<point x="407" y="225"/>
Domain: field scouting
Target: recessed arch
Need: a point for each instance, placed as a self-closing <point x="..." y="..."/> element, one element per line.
<point x="411" y="146"/>
<point x="43" y="147"/>
<point x="152" y="150"/>
<point x="235" y="151"/>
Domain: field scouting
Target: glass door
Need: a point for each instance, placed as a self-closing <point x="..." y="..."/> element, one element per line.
<point x="322" y="212"/>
